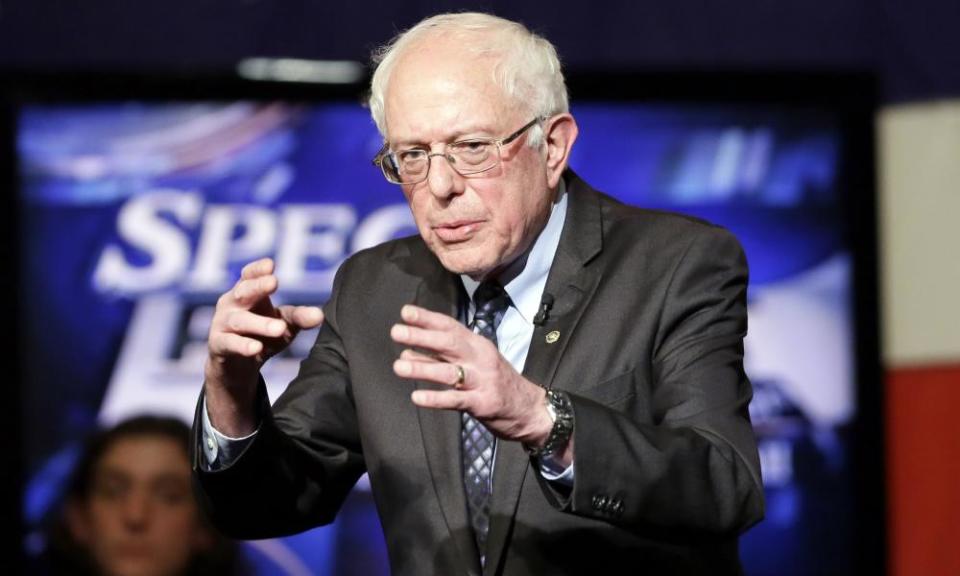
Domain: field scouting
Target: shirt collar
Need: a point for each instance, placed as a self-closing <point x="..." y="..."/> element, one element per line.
<point x="525" y="279"/>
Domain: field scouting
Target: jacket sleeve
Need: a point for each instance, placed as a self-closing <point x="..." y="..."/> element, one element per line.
<point x="692" y="465"/>
<point x="305" y="457"/>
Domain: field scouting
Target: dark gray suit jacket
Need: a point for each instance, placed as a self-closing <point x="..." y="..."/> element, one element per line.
<point x="651" y="312"/>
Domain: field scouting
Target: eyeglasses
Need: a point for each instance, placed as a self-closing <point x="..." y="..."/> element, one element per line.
<point x="466" y="157"/>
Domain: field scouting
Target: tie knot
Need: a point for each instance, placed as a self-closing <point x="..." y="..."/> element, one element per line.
<point x="490" y="302"/>
<point x="490" y="296"/>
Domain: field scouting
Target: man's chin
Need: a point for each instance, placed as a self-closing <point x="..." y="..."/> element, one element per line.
<point x="467" y="262"/>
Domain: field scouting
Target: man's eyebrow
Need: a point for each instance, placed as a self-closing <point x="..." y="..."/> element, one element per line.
<point x="467" y="133"/>
<point x="409" y="144"/>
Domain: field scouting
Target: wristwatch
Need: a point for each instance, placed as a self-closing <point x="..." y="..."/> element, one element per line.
<point x="561" y="412"/>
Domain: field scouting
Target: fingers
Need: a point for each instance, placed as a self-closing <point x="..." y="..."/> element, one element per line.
<point x="246" y="329"/>
<point x="440" y="399"/>
<point x="257" y="268"/>
<point x="227" y="344"/>
<point x="303" y="317"/>
<point x="250" y="324"/>
<point x="409" y="354"/>
<point x="423" y="318"/>
<point x="245" y="323"/>
<point x="432" y="371"/>
<point x="247" y="292"/>
<point x="445" y="344"/>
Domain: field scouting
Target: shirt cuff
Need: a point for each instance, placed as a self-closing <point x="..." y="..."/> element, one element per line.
<point x="220" y="450"/>
<point x="554" y="471"/>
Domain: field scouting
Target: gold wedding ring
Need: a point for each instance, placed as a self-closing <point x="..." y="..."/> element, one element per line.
<point x="461" y="376"/>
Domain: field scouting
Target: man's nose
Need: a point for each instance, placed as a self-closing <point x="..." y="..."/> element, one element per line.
<point x="442" y="179"/>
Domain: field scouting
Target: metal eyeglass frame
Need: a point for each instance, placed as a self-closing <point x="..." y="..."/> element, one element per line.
<point x="384" y="155"/>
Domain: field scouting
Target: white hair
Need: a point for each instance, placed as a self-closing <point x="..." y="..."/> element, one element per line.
<point x="527" y="69"/>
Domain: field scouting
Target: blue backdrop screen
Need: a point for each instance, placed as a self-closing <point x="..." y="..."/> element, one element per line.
<point x="137" y="215"/>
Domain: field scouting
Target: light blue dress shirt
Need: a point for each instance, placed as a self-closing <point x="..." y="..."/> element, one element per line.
<point x="524" y="281"/>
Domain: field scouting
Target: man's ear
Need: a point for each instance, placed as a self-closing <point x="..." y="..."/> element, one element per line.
<point x="559" y="134"/>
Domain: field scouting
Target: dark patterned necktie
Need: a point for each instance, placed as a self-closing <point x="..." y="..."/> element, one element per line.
<point x="490" y="301"/>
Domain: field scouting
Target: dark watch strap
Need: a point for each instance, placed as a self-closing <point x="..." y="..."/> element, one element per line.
<point x="562" y="425"/>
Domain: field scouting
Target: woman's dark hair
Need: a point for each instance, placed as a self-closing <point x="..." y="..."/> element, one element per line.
<point x="66" y="556"/>
<point x="102" y="440"/>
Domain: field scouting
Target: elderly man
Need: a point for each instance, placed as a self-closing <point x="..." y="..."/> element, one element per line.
<point x="544" y="380"/>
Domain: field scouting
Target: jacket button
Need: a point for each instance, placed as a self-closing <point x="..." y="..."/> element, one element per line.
<point x="618" y="507"/>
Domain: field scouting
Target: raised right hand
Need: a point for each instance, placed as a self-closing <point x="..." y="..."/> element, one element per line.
<point x="245" y="332"/>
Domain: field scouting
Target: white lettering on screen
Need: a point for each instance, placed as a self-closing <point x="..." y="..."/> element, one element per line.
<point x="154" y="248"/>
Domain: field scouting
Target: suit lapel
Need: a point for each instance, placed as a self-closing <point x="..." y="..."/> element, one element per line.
<point x="572" y="285"/>
<point x="440" y="429"/>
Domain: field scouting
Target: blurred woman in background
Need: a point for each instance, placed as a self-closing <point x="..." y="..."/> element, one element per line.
<point x="130" y="510"/>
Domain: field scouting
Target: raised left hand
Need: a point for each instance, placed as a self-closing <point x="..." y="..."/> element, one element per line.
<point x="508" y="404"/>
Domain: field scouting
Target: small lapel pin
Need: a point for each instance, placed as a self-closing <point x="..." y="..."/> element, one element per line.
<point x="552" y="336"/>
